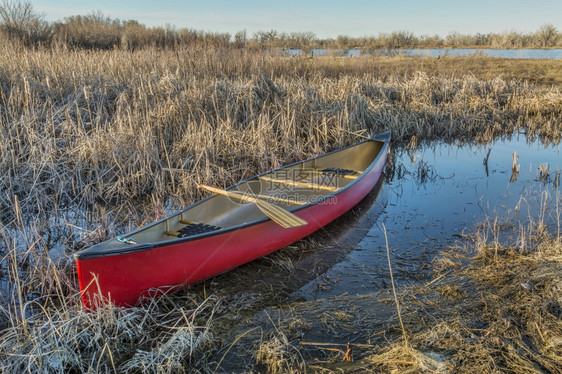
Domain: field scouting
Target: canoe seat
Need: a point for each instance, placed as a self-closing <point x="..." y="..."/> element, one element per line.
<point x="193" y="229"/>
<point x="197" y="228"/>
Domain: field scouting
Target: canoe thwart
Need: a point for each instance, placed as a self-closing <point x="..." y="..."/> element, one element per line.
<point x="310" y="185"/>
<point x="335" y="172"/>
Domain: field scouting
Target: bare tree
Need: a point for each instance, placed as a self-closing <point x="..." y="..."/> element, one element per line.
<point x="266" y="39"/>
<point x="240" y="39"/>
<point x="547" y="35"/>
<point x="19" y="20"/>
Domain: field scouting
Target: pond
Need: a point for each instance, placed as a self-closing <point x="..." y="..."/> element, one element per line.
<point x="550" y="54"/>
<point x="432" y="195"/>
<point x="438" y="192"/>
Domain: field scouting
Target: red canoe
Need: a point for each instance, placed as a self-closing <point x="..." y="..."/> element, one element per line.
<point x="262" y="214"/>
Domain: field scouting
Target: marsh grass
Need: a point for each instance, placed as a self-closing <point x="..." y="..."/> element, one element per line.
<point x="81" y="127"/>
<point x="499" y="312"/>
<point x="110" y="340"/>
<point x="278" y="355"/>
<point x="156" y="338"/>
<point x="104" y="131"/>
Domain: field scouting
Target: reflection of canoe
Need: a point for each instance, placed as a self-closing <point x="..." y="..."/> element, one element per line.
<point x="327" y="247"/>
<point x="220" y="233"/>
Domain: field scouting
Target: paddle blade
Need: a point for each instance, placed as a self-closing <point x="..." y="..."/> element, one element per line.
<point x="279" y="215"/>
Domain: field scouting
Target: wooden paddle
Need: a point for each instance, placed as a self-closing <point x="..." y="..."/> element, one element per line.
<point x="277" y="214"/>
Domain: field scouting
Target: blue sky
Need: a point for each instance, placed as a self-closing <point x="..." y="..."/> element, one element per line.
<point x="326" y="18"/>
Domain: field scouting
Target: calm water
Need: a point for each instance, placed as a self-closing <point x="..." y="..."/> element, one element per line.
<point x="436" y="193"/>
<point x="551" y="54"/>
<point x="444" y="191"/>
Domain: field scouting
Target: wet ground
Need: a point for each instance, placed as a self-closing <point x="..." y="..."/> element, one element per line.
<point x="310" y="299"/>
<point x="335" y="287"/>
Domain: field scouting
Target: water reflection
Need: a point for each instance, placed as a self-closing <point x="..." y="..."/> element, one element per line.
<point x="436" y="195"/>
<point x="308" y="259"/>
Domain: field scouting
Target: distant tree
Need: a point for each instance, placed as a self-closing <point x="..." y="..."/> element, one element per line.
<point x="547" y="35"/>
<point x="18" y="20"/>
<point x="453" y="39"/>
<point x="240" y="39"/>
<point x="481" y="39"/>
<point x="265" y="39"/>
<point x="403" y="39"/>
<point x="217" y="40"/>
<point x="507" y="39"/>
<point x="299" y="40"/>
<point x="134" y="35"/>
<point x="430" y="41"/>
<point x="343" y="42"/>
<point x="92" y="31"/>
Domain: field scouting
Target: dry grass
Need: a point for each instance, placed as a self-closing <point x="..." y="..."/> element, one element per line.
<point x="81" y="127"/>
<point x="110" y="340"/>
<point x="97" y="130"/>
<point x="278" y="355"/>
<point x="45" y="329"/>
<point x="539" y="72"/>
<point x="499" y="313"/>
<point x="162" y="337"/>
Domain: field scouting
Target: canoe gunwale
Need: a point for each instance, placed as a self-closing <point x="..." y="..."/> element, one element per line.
<point x="124" y="248"/>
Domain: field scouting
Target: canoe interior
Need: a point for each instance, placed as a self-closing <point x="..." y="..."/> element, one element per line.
<point x="221" y="212"/>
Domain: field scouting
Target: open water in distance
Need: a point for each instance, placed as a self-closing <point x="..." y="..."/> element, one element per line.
<point x="550" y="54"/>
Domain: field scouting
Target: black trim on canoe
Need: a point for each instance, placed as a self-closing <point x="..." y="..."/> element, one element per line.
<point x="114" y="247"/>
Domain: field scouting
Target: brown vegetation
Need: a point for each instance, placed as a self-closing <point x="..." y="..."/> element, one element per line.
<point x="493" y="307"/>
<point x="86" y="129"/>
<point x="108" y="129"/>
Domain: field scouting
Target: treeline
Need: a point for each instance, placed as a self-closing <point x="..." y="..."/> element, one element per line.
<point x="95" y="31"/>
<point x="20" y="22"/>
<point x="547" y="36"/>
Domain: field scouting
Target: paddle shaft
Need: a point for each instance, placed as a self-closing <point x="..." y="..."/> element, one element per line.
<point x="235" y="195"/>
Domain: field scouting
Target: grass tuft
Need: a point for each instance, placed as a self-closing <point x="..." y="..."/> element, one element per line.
<point x="501" y="312"/>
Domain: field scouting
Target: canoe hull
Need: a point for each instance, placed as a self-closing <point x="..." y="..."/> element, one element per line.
<point x="127" y="278"/>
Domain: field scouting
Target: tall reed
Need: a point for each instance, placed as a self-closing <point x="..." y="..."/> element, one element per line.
<point x="102" y="126"/>
<point x="493" y="304"/>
